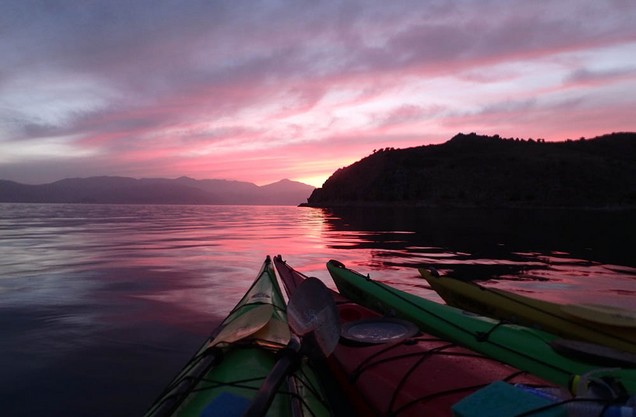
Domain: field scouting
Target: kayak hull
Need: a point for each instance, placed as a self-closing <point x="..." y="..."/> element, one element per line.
<point x="412" y="376"/>
<point x="224" y="376"/>
<point x="522" y="347"/>
<point x="515" y="308"/>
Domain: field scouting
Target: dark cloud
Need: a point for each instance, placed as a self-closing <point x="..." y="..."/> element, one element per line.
<point x="154" y="48"/>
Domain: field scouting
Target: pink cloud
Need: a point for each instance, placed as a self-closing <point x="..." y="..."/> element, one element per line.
<point x="261" y="92"/>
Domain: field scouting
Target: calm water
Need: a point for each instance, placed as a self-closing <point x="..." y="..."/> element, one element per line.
<point x="101" y="305"/>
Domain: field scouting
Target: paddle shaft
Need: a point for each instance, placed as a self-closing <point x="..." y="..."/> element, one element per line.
<point x="288" y="362"/>
<point x="316" y="326"/>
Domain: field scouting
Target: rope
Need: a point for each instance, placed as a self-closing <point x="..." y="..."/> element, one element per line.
<point x="385" y="356"/>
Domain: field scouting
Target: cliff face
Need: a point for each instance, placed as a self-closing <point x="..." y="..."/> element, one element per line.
<point x="474" y="170"/>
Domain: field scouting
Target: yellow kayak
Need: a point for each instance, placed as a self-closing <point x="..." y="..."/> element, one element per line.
<point x="605" y="325"/>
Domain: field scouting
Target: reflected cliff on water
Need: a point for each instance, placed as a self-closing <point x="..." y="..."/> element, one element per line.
<point x="487" y="243"/>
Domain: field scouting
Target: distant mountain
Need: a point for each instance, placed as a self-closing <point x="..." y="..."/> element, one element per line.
<point x="490" y="171"/>
<point x="184" y="190"/>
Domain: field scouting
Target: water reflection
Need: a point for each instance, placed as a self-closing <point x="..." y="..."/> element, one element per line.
<point x="587" y="253"/>
<point x="596" y="235"/>
<point x="94" y="297"/>
<point x="212" y="250"/>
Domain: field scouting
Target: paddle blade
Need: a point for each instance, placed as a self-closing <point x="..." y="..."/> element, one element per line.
<point x="312" y="311"/>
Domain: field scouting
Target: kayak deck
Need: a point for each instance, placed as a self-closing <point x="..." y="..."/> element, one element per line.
<point x="522" y="347"/>
<point x="413" y="375"/>
<point x="223" y="378"/>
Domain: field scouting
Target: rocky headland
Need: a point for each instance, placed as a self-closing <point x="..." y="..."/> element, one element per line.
<point x="473" y="170"/>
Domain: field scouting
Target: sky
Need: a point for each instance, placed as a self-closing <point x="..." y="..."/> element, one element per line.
<point x="259" y="91"/>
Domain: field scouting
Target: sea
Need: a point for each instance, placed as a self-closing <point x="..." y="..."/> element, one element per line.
<point x="101" y="305"/>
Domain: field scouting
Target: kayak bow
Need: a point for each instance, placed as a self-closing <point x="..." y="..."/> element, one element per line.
<point x="223" y="378"/>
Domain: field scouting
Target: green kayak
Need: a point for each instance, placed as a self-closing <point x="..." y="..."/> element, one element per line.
<point x="532" y="350"/>
<point x="225" y="375"/>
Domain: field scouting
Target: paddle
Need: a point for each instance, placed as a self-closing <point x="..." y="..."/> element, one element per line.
<point x="312" y="314"/>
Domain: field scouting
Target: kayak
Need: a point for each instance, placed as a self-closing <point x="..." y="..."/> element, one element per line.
<point x="604" y="325"/>
<point x="388" y="367"/>
<point x="230" y="369"/>
<point x="532" y="350"/>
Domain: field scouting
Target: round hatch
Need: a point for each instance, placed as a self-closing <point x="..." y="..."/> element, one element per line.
<point x="378" y="330"/>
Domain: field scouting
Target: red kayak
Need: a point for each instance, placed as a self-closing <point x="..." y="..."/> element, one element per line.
<point x="387" y="367"/>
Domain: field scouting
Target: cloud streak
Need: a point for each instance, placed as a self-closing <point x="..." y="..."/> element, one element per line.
<point x="260" y="91"/>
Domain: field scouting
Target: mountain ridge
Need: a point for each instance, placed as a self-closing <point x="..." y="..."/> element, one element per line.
<point x="182" y="190"/>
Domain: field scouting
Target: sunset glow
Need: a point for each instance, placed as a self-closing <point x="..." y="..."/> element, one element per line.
<point x="263" y="91"/>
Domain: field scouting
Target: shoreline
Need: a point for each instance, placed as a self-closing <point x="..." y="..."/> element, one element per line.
<point x="429" y="205"/>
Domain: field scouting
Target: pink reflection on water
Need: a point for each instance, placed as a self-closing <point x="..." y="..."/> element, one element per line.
<point x="207" y="256"/>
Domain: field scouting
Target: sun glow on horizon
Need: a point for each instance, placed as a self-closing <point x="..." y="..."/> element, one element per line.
<point x="315" y="181"/>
